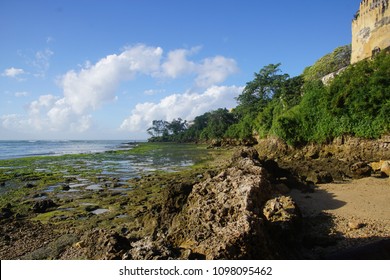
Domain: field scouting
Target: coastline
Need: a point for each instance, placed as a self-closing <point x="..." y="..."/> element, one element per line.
<point x="146" y="218"/>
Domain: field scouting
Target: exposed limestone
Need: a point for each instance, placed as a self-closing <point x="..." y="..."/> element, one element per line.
<point x="385" y="168"/>
<point x="222" y="217"/>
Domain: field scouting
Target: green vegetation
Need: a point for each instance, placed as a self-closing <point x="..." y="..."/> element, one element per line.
<point x="302" y="109"/>
<point x="329" y="63"/>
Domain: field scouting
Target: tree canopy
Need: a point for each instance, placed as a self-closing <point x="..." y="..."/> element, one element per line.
<point x="300" y="109"/>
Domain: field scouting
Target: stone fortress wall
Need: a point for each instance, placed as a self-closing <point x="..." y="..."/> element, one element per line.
<point x="370" y="29"/>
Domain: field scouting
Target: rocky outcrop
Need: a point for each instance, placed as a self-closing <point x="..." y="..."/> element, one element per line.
<point x="222" y="218"/>
<point x="226" y="216"/>
<point x="382" y="166"/>
<point x="342" y="159"/>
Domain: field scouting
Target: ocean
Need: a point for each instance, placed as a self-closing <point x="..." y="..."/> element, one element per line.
<point x="25" y="148"/>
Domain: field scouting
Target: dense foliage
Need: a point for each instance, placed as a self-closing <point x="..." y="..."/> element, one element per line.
<point x="329" y="63"/>
<point x="299" y="109"/>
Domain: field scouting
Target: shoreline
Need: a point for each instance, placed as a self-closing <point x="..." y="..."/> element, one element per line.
<point x="150" y="211"/>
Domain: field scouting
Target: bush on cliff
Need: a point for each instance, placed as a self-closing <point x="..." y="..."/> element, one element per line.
<point x="301" y="109"/>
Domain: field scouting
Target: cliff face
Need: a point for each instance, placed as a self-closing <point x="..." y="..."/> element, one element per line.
<point x="370" y="29"/>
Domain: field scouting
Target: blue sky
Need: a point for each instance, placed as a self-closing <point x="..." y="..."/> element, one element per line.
<point x="83" y="69"/>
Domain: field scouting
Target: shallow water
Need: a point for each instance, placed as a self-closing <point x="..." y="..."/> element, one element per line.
<point x="99" y="171"/>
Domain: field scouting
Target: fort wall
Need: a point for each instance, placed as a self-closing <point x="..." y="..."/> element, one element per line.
<point x="370" y="29"/>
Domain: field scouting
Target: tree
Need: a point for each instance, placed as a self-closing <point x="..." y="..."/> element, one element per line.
<point x="177" y="126"/>
<point x="158" y="128"/>
<point x="218" y="122"/>
<point x="258" y="92"/>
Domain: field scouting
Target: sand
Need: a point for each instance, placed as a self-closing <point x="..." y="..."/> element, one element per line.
<point x="360" y="210"/>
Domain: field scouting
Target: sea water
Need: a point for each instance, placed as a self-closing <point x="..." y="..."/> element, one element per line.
<point x="25" y="148"/>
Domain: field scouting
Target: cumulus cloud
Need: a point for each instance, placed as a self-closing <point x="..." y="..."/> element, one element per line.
<point x="210" y="71"/>
<point x="13" y="72"/>
<point x="186" y="106"/>
<point x="96" y="84"/>
<point x="93" y="86"/>
<point x="12" y="121"/>
<point x="177" y="63"/>
<point x="215" y="70"/>
<point x="89" y="88"/>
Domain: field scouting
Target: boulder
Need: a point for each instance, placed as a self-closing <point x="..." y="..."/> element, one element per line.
<point x="6" y="212"/>
<point x="222" y="218"/>
<point x="360" y="170"/>
<point x="385" y="168"/>
<point x="42" y="206"/>
<point x="319" y="177"/>
<point x="284" y="218"/>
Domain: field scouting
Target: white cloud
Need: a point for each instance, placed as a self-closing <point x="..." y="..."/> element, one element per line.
<point x="210" y="71"/>
<point x="215" y="70"/>
<point x="12" y="72"/>
<point x="13" y="121"/>
<point x="186" y="106"/>
<point x="177" y="64"/>
<point x="94" y="85"/>
<point x="154" y="91"/>
<point x="21" y="94"/>
<point x="41" y="62"/>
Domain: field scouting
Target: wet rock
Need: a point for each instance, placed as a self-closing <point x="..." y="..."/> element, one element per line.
<point x="6" y="212"/>
<point x="43" y="206"/>
<point x="29" y="186"/>
<point x="65" y="187"/>
<point x="90" y="208"/>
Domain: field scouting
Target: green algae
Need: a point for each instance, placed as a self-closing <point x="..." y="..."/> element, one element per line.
<point x="149" y="168"/>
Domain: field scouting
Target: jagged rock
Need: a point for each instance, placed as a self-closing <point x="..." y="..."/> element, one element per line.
<point x="101" y="244"/>
<point x="147" y="249"/>
<point x="222" y="218"/>
<point x="281" y="209"/>
<point x="382" y="166"/>
<point x="42" y="206"/>
<point x="284" y="217"/>
<point x="361" y="169"/>
<point x="385" y="168"/>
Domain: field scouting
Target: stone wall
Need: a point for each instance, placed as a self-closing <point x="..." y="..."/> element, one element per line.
<point x="370" y="29"/>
